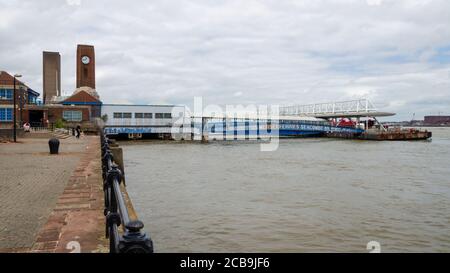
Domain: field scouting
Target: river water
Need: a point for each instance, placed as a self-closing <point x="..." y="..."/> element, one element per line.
<point x="311" y="195"/>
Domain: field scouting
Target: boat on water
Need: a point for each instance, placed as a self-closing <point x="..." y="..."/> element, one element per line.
<point x="284" y="127"/>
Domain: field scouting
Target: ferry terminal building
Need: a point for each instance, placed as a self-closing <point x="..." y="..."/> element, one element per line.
<point x="83" y="107"/>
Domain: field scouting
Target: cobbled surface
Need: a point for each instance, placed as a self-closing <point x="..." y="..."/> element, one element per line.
<point x="31" y="180"/>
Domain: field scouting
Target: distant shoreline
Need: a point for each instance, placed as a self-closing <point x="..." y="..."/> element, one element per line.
<point x="431" y="126"/>
<point x="419" y="126"/>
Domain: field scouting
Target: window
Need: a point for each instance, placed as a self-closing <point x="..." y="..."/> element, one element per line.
<point x="163" y="115"/>
<point x="6" y="114"/>
<point x="143" y="115"/>
<point x="6" y="94"/>
<point x="32" y="99"/>
<point x="72" y="115"/>
<point x="122" y="115"/>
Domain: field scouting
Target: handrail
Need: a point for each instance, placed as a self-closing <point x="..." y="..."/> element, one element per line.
<point x="133" y="239"/>
<point x="350" y="106"/>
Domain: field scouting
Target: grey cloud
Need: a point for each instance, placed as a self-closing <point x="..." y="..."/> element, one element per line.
<point x="265" y="51"/>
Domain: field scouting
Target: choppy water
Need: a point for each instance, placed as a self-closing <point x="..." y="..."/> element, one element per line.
<point x="312" y="195"/>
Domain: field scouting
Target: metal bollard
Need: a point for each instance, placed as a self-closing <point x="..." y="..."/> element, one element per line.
<point x="54" y="146"/>
<point x="134" y="240"/>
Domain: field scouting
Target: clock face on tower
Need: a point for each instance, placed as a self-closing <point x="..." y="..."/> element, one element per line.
<point x="85" y="60"/>
<point x="85" y="66"/>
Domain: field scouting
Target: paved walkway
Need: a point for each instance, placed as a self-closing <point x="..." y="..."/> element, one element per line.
<point x="48" y="201"/>
<point x="77" y="223"/>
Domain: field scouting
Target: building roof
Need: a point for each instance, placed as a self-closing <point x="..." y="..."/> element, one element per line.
<point x="54" y="106"/>
<point x="83" y="96"/>
<point x="33" y="92"/>
<point x="8" y="79"/>
<point x="51" y="52"/>
<point x="88" y="90"/>
<point x="82" y="45"/>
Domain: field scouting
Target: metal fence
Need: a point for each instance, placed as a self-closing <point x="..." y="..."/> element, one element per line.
<point x="342" y="107"/>
<point x="129" y="238"/>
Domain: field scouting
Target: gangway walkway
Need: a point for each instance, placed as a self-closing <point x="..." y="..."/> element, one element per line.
<point x="352" y="108"/>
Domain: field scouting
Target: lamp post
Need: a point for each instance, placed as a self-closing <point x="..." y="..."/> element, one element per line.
<point x="14" y="101"/>
<point x="21" y="104"/>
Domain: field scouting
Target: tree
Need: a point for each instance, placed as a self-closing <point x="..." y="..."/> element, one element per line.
<point x="60" y="123"/>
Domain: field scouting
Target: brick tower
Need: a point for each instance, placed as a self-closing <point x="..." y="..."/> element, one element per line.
<point x="52" y="75"/>
<point x="85" y="66"/>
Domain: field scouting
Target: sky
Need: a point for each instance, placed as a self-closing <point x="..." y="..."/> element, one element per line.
<point x="394" y="52"/>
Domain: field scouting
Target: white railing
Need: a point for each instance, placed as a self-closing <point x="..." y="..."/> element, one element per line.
<point x="343" y="107"/>
<point x="39" y="129"/>
<point x="62" y="131"/>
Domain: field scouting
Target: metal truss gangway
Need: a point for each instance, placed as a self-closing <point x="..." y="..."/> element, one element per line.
<point x="344" y="109"/>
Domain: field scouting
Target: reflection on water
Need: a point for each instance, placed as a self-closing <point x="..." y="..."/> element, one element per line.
<point x="312" y="195"/>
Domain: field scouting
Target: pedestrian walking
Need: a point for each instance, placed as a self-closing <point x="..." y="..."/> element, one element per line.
<point x="78" y="131"/>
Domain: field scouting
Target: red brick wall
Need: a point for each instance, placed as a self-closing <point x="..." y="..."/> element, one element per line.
<point x="10" y="124"/>
<point x="85" y="73"/>
<point x="53" y="114"/>
<point x="7" y="124"/>
<point x="57" y="113"/>
<point x="19" y="93"/>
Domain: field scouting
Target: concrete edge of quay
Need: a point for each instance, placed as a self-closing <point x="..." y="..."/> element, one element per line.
<point x="77" y="222"/>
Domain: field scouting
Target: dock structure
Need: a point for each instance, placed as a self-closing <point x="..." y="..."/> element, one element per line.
<point x="352" y="109"/>
<point x="313" y="120"/>
<point x="396" y="135"/>
<point x="253" y="127"/>
<point x="357" y="110"/>
<point x="344" y="109"/>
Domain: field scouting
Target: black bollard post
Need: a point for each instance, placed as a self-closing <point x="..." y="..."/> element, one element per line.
<point x="134" y="240"/>
<point x="54" y="146"/>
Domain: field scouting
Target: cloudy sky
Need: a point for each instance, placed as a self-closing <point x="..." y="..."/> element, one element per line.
<point x="395" y="52"/>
